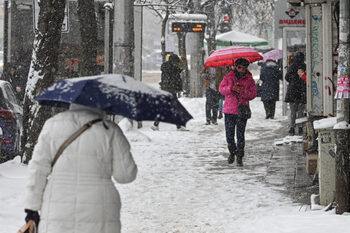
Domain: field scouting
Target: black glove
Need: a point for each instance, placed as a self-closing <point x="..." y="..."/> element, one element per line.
<point x="32" y="215"/>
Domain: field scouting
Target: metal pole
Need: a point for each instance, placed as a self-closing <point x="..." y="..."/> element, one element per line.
<point x="138" y="22"/>
<point x="196" y="51"/>
<point x="123" y="40"/>
<point x="6" y="31"/>
<point x="106" y="39"/>
<point x="342" y="160"/>
<point x="344" y="59"/>
<point x="138" y="42"/>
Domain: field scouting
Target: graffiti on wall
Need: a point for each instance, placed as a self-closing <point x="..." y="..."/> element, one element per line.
<point x="316" y="61"/>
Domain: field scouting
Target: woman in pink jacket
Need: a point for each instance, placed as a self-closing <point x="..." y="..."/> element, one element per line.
<point x="238" y="87"/>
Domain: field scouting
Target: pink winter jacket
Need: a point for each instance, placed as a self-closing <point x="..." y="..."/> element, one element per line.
<point x="249" y="92"/>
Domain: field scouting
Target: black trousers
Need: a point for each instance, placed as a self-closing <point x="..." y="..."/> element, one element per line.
<point x="270" y="107"/>
<point x="211" y="105"/>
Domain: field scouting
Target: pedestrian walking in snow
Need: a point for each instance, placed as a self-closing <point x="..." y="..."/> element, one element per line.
<point x="77" y="194"/>
<point x="239" y="88"/>
<point x="212" y="79"/>
<point x="296" y="90"/>
<point x="270" y="75"/>
<point x="171" y="82"/>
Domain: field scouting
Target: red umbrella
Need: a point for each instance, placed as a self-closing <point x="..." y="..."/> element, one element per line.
<point x="226" y="56"/>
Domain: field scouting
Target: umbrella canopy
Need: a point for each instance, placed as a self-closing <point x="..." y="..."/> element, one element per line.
<point x="272" y="55"/>
<point x="117" y="95"/>
<point x="235" y="37"/>
<point x="227" y="56"/>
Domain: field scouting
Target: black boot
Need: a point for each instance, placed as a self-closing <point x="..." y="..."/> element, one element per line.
<point x="220" y="115"/>
<point x="240" y="155"/>
<point x="231" y="158"/>
<point x="233" y="150"/>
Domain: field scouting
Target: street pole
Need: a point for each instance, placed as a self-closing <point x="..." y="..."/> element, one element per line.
<point x="342" y="160"/>
<point x="138" y="22"/>
<point x="6" y="31"/>
<point x="123" y="39"/>
<point x="107" y="38"/>
<point x="196" y="51"/>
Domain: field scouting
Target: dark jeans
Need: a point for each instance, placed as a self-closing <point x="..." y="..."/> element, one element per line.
<point x="156" y="123"/>
<point x="270" y="107"/>
<point x="296" y="111"/>
<point x="231" y="122"/>
<point x="211" y="104"/>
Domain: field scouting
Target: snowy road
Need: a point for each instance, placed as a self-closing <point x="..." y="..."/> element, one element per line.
<point x="186" y="185"/>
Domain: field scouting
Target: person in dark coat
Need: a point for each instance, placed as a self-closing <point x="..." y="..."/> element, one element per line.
<point x="270" y="76"/>
<point x="212" y="77"/>
<point x="170" y="81"/>
<point x="17" y="82"/>
<point x="296" y="90"/>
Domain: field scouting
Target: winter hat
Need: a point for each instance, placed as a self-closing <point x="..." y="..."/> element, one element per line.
<point x="242" y="62"/>
<point x="174" y="58"/>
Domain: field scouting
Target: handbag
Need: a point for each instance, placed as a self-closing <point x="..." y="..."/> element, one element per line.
<point x="244" y="111"/>
<point x="30" y="226"/>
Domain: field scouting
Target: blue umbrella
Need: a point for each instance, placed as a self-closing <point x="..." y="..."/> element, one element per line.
<point x="117" y="95"/>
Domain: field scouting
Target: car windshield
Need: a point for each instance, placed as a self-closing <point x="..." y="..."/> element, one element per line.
<point x="3" y="104"/>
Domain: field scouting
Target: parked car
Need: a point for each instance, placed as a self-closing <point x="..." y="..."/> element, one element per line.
<point x="11" y="116"/>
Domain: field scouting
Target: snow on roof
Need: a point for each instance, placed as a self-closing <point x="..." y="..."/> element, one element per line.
<point x="189" y="17"/>
<point x="240" y="38"/>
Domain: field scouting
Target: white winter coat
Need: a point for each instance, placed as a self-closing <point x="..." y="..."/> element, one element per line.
<point x="78" y="195"/>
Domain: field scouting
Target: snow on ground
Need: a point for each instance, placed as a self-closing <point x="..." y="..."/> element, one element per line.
<point x="185" y="185"/>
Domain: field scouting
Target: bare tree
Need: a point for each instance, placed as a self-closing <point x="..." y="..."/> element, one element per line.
<point x="43" y="70"/>
<point x="88" y="31"/>
<point x="253" y="16"/>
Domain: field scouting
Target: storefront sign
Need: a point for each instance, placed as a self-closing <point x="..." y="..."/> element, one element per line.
<point x="291" y="21"/>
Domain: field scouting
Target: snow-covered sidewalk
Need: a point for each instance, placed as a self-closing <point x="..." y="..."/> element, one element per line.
<point x="185" y="185"/>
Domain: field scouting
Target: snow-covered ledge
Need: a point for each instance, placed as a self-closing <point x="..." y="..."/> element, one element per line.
<point x="330" y="122"/>
<point x="325" y="123"/>
<point x="342" y="125"/>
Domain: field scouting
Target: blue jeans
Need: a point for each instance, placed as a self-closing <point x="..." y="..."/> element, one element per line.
<point x="231" y="123"/>
<point x="221" y="104"/>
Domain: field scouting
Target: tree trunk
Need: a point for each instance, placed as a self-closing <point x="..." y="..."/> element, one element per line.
<point x="162" y="42"/>
<point x="182" y="52"/>
<point x="211" y="27"/>
<point x="88" y="31"/>
<point x="42" y="72"/>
